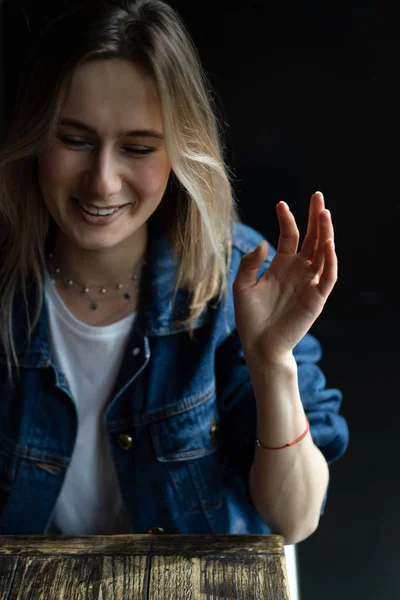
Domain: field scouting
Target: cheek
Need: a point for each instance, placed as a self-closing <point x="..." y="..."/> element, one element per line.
<point x="152" y="177"/>
<point x="53" y="170"/>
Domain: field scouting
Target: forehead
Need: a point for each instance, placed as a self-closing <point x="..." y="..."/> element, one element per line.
<point x="113" y="91"/>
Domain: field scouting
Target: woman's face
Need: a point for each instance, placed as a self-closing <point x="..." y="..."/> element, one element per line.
<point x="113" y="157"/>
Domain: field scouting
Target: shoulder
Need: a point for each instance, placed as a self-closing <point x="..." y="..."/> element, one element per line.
<point x="244" y="237"/>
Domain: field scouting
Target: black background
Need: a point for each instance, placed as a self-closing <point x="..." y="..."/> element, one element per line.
<point x="310" y="94"/>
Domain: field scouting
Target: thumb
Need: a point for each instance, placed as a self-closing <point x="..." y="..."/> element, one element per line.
<point x="249" y="266"/>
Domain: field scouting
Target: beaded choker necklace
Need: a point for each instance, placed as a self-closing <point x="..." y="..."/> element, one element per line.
<point x="96" y="292"/>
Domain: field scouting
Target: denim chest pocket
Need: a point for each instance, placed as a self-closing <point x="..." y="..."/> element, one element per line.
<point x="186" y="442"/>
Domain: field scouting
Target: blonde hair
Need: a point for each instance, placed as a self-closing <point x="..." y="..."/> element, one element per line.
<point x="200" y="201"/>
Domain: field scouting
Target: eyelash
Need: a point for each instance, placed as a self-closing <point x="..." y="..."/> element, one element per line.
<point x="79" y="144"/>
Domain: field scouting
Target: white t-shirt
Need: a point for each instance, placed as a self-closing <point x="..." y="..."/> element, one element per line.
<point x="90" y="501"/>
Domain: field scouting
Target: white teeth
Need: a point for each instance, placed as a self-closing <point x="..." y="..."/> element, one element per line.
<point x="102" y="212"/>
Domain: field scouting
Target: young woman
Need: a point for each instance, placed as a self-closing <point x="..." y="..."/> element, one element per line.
<point x="155" y="367"/>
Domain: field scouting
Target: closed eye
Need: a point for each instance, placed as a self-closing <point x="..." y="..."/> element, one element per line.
<point x="80" y="144"/>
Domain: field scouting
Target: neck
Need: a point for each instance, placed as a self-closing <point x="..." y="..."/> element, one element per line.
<point x="99" y="266"/>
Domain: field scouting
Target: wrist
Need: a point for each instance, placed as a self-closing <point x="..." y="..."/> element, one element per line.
<point x="280" y="411"/>
<point x="284" y="362"/>
<point x="269" y="363"/>
<point x="260" y="444"/>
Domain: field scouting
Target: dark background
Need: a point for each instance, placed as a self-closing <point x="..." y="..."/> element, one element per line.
<point x="310" y="96"/>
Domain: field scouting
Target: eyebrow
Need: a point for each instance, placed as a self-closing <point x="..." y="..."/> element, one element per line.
<point x="134" y="132"/>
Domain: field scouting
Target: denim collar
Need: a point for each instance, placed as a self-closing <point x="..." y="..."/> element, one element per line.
<point x="158" y="311"/>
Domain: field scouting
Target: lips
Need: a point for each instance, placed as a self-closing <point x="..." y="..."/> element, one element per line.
<point x="99" y="207"/>
<point x="100" y="220"/>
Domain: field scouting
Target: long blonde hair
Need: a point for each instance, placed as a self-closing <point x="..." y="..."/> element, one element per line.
<point x="201" y="205"/>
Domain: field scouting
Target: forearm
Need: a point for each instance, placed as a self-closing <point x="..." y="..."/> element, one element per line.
<point x="287" y="486"/>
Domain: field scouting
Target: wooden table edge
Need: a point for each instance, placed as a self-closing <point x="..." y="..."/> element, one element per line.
<point x="135" y="544"/>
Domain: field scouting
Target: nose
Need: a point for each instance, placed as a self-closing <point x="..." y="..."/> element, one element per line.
<point x="102" y="178"/>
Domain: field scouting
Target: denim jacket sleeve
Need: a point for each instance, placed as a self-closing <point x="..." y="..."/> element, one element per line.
<point x="237" y="403"/>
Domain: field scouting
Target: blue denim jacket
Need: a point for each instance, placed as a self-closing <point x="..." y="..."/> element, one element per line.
<point x="181" y="420"/>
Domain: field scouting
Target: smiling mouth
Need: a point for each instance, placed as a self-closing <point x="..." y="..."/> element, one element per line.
<point x="99" y="212"/>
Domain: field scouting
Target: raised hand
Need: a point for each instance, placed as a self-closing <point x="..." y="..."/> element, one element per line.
<point x="274" y="312"/>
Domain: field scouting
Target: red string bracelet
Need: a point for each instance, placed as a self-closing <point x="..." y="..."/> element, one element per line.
<point x="303" y="435"/>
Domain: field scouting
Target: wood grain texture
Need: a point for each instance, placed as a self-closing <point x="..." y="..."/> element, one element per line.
<point x="250" y="578"/>
<point x="8" y="565"/>
<point x="202" y="578"/>
<point x="140" y="544"/>
<point x="80" y="578"/>
<point x="142" y="567"/>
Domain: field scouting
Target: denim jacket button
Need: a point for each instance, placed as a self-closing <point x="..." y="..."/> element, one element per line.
<point x="214" y="432"/>
<point x="155" y="530"/>
<point x="125" y="441"/>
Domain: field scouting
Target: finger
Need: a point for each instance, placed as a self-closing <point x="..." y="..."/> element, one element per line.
<point x="325" y="233"/>
<point x="289" y="233"/>
<point x="249" y="266"/>
<point x="310" y="243"/>
<point x="328" y="276"/>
